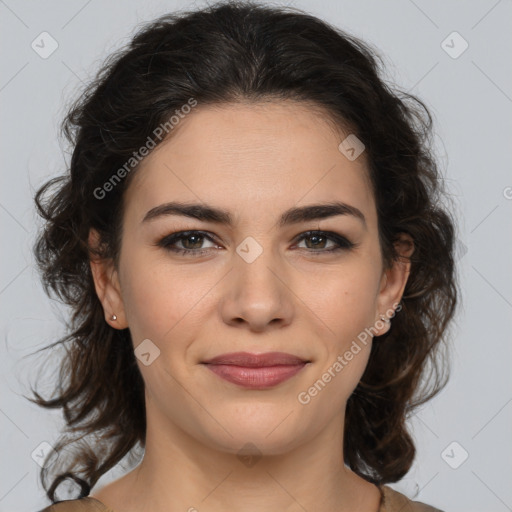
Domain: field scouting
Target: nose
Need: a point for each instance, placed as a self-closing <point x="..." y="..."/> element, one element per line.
<point x="258" y="295"/>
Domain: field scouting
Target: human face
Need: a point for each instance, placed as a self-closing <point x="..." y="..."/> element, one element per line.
<point x="285" y="294"/>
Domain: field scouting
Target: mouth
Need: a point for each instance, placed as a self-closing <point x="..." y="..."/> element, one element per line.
<point x="256" y="371"/>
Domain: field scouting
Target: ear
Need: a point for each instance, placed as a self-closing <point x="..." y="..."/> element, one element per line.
<point x="106" y="283"/>
<point x="393" y="282"/>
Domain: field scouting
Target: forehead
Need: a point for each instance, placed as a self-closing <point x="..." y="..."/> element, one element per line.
<point x="246" y="156"/>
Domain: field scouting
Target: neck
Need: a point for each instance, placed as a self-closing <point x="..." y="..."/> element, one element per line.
<point x="179" y="472"/>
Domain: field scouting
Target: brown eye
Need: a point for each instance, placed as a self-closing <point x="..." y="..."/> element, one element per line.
<point x="191" y="242"/>
<point x="319" y="239"/>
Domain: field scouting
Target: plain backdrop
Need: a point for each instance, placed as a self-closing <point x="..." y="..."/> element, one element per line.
<point x="464" y="441"/>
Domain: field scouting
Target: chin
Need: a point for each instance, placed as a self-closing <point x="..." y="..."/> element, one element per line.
<point x="268" y="434"/>
<point x="254" y="443"/>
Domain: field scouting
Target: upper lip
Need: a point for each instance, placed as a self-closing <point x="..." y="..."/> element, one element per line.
<point x="256" y="360"/>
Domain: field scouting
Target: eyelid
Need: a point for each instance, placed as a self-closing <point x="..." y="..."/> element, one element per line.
<point x="176" y="236"/>
<point x="342" y="243"/>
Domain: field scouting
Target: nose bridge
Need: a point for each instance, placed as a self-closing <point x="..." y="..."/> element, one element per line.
<point x="256" y="264"/>
<point x="256" y="293"/>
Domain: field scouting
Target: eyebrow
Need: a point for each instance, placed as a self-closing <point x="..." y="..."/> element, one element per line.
<point x="294" y="215"/>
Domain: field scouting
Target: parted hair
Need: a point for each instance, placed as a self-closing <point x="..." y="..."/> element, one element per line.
<point x="224" y="53"/>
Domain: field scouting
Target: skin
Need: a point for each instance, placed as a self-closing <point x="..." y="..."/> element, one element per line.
<point x="256" y="161"/>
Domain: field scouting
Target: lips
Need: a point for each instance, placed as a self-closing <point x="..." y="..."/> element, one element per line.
<point x="249" y="360"/>
<point x="256" y="371"/>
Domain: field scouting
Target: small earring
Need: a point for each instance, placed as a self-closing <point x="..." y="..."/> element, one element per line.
<point x="385" y="319"/>
<point x="113" y="318"/>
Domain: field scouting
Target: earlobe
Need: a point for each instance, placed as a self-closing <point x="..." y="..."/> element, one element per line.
<point x="106" y="284"/>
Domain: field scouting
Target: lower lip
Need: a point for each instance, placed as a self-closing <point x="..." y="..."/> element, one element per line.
<point x="255" y="378"/>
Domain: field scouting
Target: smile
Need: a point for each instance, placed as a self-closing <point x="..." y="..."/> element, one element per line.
<point x="255" y="378"/>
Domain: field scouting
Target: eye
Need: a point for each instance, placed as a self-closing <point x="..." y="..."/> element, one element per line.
<point x="319" y="239"/>
<point x="191" y="241"/>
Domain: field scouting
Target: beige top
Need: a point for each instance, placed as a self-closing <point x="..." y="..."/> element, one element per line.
<point x="391" y="501"/>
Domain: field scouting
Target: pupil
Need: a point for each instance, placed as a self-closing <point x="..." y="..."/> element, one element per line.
<point x="316" y="239"/>
<point x="192" y="237"/>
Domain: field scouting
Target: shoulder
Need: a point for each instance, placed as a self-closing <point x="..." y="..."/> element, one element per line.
<point x="394" y="501"/>
<point x="82" y="505"/>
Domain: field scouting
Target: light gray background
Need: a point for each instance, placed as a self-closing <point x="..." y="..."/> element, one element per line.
<point x="471" y="99"/>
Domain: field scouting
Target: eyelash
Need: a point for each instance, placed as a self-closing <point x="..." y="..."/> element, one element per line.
<point x="167" y="241"/>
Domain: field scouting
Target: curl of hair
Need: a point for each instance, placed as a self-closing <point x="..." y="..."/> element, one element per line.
<point x="233" y="52"/>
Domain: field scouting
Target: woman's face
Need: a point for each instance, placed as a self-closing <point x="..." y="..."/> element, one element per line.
<point x="258" y="284"/>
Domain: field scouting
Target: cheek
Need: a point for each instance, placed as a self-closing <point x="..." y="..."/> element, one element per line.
<point x="345" y="299"/>
<point x="160" y="297"/>
<point x="347" y="308"/>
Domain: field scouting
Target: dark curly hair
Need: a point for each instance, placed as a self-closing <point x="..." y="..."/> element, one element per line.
<point x="232" y="52"/>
